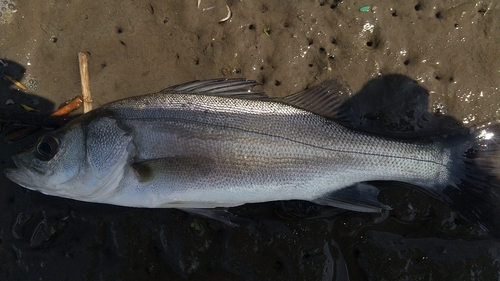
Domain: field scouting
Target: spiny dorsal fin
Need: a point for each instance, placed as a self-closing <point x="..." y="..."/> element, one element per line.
<point x="325" y="99"/>
<point x="228" y="87"/>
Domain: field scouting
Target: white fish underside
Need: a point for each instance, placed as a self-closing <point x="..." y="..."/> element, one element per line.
<point x="227" y="152"/>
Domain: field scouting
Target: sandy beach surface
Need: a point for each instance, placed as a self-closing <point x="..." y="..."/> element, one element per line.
<point x="448" y="48"/>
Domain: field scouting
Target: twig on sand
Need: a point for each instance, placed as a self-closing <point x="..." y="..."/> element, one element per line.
<point x="84" y="76"/>
<point x="14" y="81"/>
<point x="21" y="133"/>
<point x="44" y="121"/>
<point x="31" y="123"/>
<point x="72" y="105"/>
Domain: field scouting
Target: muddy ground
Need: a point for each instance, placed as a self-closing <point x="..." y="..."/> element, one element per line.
<point x="449" y="48"/>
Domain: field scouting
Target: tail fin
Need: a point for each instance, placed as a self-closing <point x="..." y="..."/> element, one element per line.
<point x="476" y="172"/>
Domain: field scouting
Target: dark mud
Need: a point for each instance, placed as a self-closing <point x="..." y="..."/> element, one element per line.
<point x="136" y="47"/>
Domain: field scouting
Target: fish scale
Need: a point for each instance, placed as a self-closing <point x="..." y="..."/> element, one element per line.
<point x="266" y="118"/>
<point x="262" y="148"/>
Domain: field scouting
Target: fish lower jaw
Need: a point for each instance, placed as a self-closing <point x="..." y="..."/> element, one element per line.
<point x="21" y="178"/>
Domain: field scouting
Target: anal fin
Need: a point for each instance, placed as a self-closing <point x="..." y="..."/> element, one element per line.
<point x="218" y="214"/>
<point x="361" y="197"/>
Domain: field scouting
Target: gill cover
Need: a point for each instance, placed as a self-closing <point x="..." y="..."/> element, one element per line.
<point x="106" y="145"/>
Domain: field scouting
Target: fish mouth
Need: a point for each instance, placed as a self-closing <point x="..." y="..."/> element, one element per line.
<point x="21" y="175"/>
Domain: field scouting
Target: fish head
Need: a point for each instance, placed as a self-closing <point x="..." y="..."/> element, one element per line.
<point x="79" y="161"/>
<point x="52" y="165"/>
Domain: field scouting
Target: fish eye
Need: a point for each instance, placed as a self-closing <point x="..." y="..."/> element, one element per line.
<point x="47" y="147"/>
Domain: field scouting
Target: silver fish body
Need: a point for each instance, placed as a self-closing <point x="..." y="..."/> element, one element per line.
<point x="198" y="147"/>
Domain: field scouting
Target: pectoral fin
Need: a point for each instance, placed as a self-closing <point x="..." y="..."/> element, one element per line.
<point x="361" y="197"/>
<point x="172" y="168"/>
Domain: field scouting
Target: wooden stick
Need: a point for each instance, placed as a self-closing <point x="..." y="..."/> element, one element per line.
<point x="51" y="122"/>
<point x="72" y="105"/>
<point x="84" y="76"/>
<point x="21" y="133"/>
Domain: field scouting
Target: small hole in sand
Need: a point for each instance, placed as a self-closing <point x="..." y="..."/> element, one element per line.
<point x="334" y="6"/>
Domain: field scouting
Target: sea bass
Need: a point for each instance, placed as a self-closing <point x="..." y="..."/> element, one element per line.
<point x="219" y="143"/>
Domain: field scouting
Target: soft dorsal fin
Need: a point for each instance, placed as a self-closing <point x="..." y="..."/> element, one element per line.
<point x="228" y="87"/>
<point x="325" y="99"/>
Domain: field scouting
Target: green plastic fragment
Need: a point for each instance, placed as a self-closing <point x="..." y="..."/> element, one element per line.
<point x="198" y="228"/>
<point x="364" y="9"/>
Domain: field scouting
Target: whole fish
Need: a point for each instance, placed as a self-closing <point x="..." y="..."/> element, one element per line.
<point x="219" y="143"/>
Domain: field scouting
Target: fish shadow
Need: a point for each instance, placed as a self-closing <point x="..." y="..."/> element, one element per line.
<point x="22" y="112"/>
<point x="13" y="96"/>
<point x="397" y="106"/>
<point x="16" y="120"/>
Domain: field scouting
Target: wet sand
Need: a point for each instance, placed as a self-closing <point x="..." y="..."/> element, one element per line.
<point x="137" y="47"/>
